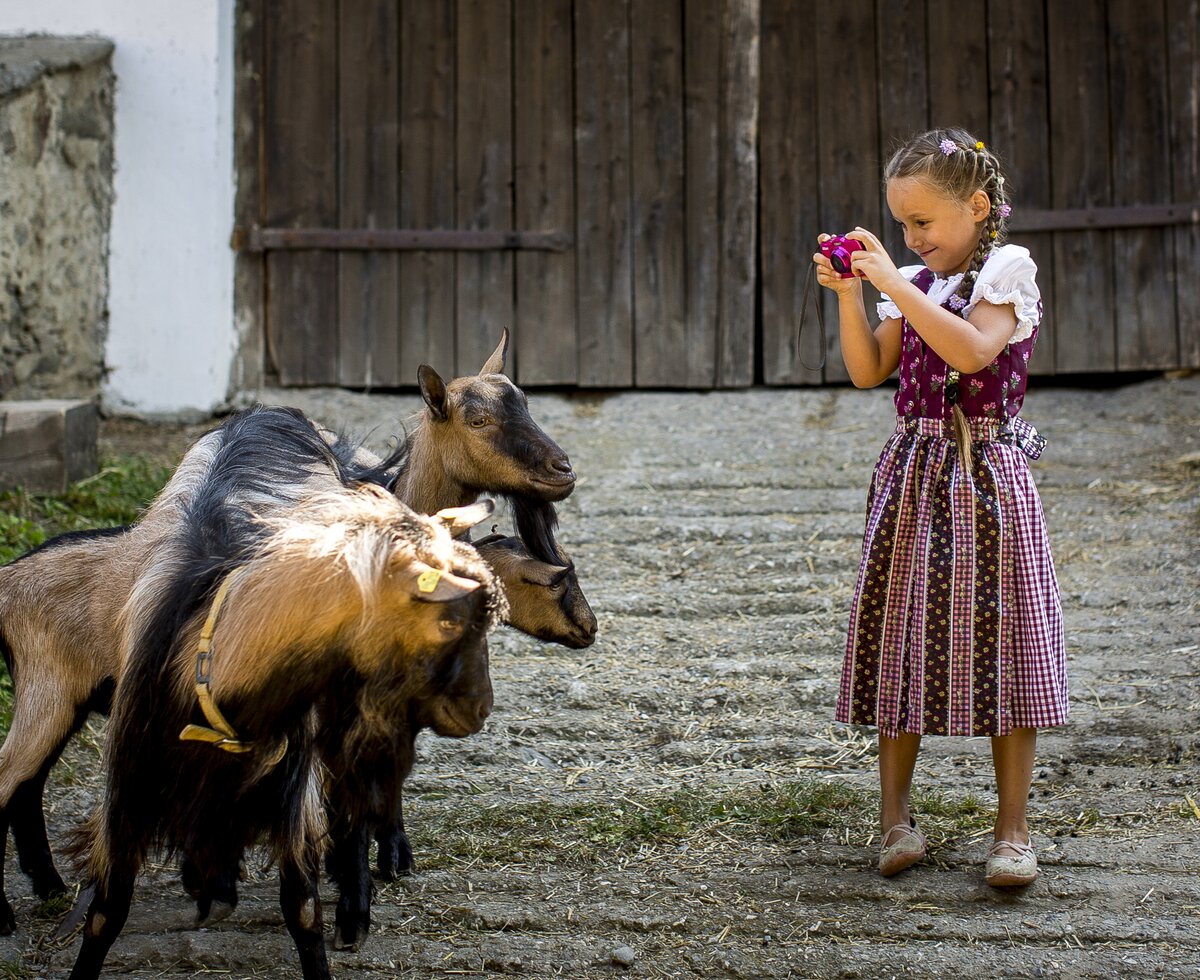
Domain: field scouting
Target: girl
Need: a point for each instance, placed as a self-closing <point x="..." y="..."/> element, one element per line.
<point x="956" y="626"/>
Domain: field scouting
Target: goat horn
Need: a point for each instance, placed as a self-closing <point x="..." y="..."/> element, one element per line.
<point x="459" y="519"/>
<point x="435" y="585"/>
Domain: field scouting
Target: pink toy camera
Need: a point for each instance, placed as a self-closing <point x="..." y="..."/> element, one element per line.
<point x="838" y="250"/>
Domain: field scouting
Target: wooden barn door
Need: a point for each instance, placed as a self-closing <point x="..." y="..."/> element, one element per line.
<point x="1094" y="109"/>
<point x="426" y="172"/>
<point x="634" y="187"/>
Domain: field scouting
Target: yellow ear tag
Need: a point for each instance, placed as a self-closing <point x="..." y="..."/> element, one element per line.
<point x="427" y="581"/>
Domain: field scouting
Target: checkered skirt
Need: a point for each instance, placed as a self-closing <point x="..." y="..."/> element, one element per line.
<point x="956" y="625"/>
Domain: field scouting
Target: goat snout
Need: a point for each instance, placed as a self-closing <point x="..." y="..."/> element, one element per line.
<point x="555" y="479"/>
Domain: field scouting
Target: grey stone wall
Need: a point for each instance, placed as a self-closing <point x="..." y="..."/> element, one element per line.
<point x="56" y="167"/>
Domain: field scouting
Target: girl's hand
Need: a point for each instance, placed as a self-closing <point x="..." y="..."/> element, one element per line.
<point x="829" y="277"/>
<point x="874" y="263"/>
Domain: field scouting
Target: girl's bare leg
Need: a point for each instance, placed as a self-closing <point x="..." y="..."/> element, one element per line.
<point x="1013" y="757"/>
<point x="897" y="759"/>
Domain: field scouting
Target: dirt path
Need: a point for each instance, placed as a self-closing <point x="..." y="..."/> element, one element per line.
<point x="675" y="801"/>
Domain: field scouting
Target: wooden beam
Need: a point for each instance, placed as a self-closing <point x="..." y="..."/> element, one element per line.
<point x="1131" y="216"/>
<point x="257" y="239"/>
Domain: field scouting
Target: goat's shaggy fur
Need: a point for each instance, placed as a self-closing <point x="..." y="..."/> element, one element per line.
<point x="325" y="641"/>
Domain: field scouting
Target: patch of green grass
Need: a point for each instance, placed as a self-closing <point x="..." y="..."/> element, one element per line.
<point x="113" y="496"/>
<point x="593" y="831"/>
<point x="55" y="907"/>
<point x="945" y="818"/>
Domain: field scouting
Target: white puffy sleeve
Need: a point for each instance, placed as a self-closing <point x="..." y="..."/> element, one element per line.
<point x="1009" y="277"/>
<point x="885" y="309"/>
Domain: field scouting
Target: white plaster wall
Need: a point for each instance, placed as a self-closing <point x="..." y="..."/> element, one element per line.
<point x="172" y="339"/>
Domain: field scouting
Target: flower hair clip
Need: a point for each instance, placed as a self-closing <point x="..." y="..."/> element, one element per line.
<point x="1004" y="210"/>
<point x="979" y="145"/>
<point x="948" y="146"/>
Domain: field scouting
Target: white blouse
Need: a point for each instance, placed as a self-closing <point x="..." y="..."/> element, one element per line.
<point x="1008" y="277"/>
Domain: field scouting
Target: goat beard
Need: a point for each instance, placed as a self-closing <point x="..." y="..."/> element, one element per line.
<point x="536" y="521"/>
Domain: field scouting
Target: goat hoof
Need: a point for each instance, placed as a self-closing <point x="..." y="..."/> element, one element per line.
<point x="350" y="929"/>
<point x="8" y="921"/>
<point x="215" y="912"/>
<point x="398" y="864"/>
<point x="49" y="886"/>
<point x="346" y="940"/>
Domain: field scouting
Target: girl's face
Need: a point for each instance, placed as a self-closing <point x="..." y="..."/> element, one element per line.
<point x="942" y="230"/>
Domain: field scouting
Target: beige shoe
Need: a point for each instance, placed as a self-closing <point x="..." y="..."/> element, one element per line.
<point x="906" y="848"/>
<point x="1011" y="870"/>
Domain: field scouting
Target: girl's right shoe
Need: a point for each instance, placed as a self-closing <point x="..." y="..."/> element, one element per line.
<point x="901" y="847"/>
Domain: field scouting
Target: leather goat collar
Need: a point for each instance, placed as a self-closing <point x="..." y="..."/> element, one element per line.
<point x="222" y="734"/>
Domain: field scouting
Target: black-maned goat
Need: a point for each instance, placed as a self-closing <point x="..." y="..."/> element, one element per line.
<point x="310" y="633"/>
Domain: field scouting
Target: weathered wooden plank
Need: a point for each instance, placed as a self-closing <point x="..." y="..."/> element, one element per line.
<point x="1137" y="34"/>
<point x="249" y="281"/>
<point x="788" y="184"/>
<point x="1183" y="71"/>
<point x="545" y="332"/>
<point x="702" y="50"/>
<point x="657" y="218"/>
<point x="958" y="58"/>
<point x="368" y="190"/>
<point x="903" y="99"/>
<point x="738" y="192"/>
<point x="849" y="162"/>
<point x="427" y="45"/>
<point x="603" y="250"/>
<point x="1020" y="135"/>
<point x="484" y="148"/>
<point x="1084" y="282"/>
<point x="47" y="444"/>
<point x="300" y="148"/>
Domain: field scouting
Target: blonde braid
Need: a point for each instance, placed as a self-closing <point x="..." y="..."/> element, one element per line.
<point x="987" y="177"/>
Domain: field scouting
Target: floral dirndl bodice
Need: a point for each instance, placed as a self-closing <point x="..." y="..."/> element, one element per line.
<point x="1008" y="276"/>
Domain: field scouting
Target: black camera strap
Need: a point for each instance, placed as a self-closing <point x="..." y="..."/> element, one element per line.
<point x="809" y="279"/>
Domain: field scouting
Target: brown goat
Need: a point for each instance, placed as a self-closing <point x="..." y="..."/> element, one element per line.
<point x="345" y="599"/>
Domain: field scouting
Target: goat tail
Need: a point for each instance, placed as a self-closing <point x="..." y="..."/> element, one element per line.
<point x="962" y="439"/>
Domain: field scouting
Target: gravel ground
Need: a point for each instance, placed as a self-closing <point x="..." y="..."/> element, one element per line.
<point x="675" y="801"/>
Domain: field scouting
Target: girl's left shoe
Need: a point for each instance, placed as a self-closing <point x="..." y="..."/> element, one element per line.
<point x="1013" y="869"/>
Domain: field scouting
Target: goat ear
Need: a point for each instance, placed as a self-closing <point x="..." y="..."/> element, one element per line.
<point x="495" y="363"/>
<point x="433" y="390"/>
<point x="457" y="520"/>
<point x="434" y="585"/>
<point x="539" y="573"/>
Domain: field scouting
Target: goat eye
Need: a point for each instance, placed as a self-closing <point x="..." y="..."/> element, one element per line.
<point x="451" y="627"/>
<point x="479" y="422"/>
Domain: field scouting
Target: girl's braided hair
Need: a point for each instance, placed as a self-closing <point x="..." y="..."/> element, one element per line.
<point x="956" y="164"/>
